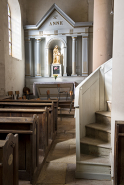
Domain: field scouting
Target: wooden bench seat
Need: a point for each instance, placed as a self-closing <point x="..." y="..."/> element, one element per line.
<point x="28" y="134"/>
<point x="9" y="160"/>
<point x="55" y="106"/>
<point x="26" y="105"/>
<point x="41" y="113"/>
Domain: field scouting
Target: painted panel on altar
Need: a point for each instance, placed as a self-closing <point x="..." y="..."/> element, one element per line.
<point x="56" y="69"/>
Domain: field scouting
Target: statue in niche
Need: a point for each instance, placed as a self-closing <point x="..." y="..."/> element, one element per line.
<point x="56" y="55"/>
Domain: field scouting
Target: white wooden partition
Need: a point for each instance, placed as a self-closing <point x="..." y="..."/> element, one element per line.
<point x="91" y="96"/>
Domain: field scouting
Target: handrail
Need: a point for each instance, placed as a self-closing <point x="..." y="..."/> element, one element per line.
<point x="76" y="102"/>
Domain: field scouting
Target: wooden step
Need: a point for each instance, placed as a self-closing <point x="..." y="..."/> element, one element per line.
<point x="91" y="167"/>
<point x="99" y="131"/>
<point x="103" y="117"/>
<point x="90" y="159"/>
<point x="95" y="147"/>
<point x="109" y="106"/>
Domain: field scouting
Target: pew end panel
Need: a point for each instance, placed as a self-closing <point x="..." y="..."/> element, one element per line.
<point x="9" y="160"/>
<point x="26" y="127"/>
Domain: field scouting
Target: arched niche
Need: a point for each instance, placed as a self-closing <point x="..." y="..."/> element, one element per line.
<point x="16" y="29"/>
<point x="61" y="43"/>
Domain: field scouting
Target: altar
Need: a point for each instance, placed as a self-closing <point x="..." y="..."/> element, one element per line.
<point x="40" y="89"/>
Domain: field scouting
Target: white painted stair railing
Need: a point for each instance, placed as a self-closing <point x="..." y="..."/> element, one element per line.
<point x="90" y="96"/>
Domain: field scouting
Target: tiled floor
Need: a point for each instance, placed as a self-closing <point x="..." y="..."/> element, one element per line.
<point x="60" y="165"/>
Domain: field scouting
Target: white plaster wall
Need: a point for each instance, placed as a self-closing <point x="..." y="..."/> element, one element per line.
<point x="13" y="70"/>
<point x="118" y="67"/>
<point x="102" y="32"/>
<point x="2" y="57"/>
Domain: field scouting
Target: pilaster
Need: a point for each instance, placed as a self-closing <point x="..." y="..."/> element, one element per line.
<point x="85" y="56"/>
<point x="47" y="66"/>
<point x="65" y="61"/>
<point x="74" y="56"/>
<point x="38" y="62"/>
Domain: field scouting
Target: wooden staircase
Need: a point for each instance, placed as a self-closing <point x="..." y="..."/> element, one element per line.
<point x="96" y="148"/>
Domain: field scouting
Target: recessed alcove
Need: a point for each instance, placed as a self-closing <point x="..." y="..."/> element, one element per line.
<point x="51" y="46"/>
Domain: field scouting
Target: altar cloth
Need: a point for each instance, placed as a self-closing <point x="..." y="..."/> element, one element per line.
<point x="50" y="83"/>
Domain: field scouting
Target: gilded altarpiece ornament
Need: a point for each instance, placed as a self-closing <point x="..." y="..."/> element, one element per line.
<point x="56" y="67"/>
<point x="56" y="55"/>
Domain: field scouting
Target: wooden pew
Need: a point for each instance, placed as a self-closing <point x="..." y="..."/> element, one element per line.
<point x="43" y="127"/>
<point x="26" y="105"/>
<point x="55" y="107"/>
<point x="9" y="160"/>
<point x="28" y="131"/>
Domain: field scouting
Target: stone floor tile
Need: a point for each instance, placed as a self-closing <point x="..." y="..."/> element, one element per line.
<point x="53" y="173"/>
<point x="59" y="158"/>
<point x="72" y="150"/>
<point x="72" y="131"/>
<point x="70" y="173"/>
<point x="60" y="165"/>
<point x="24" y="182"/>
<point x="70" y="141"/>
<point x="65" y="136"/>
<point x="60" y="146"/>
<point x="65" y="128"/>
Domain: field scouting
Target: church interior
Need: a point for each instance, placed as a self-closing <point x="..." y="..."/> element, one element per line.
<point x="61" y="92"/>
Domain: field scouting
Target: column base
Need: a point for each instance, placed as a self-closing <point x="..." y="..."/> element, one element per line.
<point x="73" y="74"/>
<point x="65" y="74"/>
<point x="46" y="76"/>
<point x="84" y="74"/>
<point x="38" y="76"/>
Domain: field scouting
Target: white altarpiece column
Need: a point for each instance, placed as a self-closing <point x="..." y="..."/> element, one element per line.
<point x="38" y="62"/>
<point x="84" y="56"/>
<point x="47" y="66"/>
<point x="28" y="57"/>
<point x="74" y="56"/>
<point x="65" y="61"/>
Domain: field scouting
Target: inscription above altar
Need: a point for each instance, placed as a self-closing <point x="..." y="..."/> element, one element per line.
<point x="55" y="22"/>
